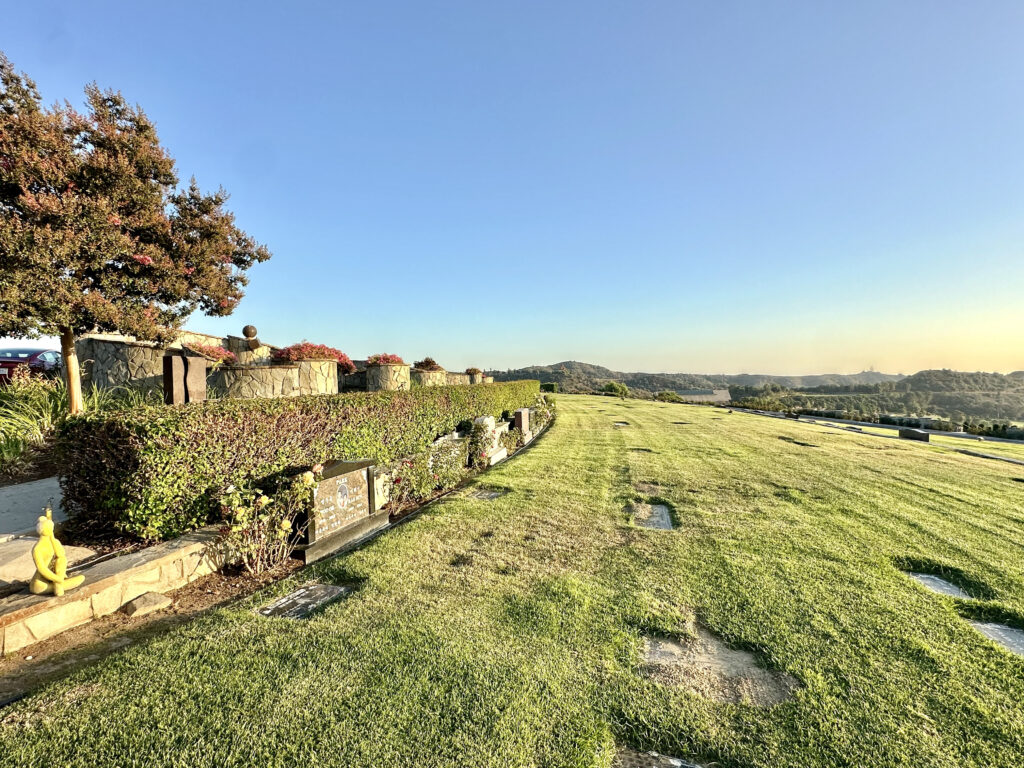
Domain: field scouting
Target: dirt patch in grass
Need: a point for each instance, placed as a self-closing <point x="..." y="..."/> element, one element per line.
<point x="708" y="667"/>
<point x="641" y="450"/>
<point x="80" y="647"/>
<point x="656" y="516"/>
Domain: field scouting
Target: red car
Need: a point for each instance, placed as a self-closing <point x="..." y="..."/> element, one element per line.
<point x="44" y="361"/>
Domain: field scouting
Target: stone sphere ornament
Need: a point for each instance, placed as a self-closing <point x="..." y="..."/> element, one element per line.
<point x="249" y="331"/>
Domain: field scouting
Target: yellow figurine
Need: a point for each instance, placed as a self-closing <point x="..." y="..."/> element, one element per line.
<point x="51" y="562"/>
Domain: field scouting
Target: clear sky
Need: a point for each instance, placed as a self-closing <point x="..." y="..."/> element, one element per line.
<point x="783" y="187"/>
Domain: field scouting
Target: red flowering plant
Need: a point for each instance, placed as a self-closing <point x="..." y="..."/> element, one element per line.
<point x="383" y="358"/>
<point x="213" y="353"/>
<point x="427" y="364"/>
<point x="308" y="351"/>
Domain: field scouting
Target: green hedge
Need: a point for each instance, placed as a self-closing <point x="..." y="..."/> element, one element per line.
<point x="156" y="471"/>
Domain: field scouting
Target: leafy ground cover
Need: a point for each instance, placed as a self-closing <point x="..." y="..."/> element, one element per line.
<point x="507" y="632"/>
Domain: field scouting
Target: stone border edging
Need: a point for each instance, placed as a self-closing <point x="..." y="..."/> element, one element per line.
<point x="108" y="585"/>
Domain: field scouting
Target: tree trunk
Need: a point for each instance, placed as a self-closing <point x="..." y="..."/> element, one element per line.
<point x="71" y="371"/>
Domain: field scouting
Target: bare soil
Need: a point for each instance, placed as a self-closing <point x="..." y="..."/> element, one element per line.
<point x="708" y="667"/>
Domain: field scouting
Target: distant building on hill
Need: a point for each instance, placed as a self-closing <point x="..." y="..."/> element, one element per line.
<point x="704" y="395"/>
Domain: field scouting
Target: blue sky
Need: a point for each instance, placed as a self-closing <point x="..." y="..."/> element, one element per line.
<point x="662" y="186"/>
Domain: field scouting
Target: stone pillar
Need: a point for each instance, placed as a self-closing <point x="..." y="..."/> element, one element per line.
<point x="488" y="379"/>
<point x="318" y="377"/>
<point x="476" y="378"/>
<point x="387" y="377"/>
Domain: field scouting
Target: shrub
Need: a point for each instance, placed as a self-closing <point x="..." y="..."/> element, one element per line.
<point x="217" y="355"/>
<point x="440" y="468"/>
<point x="474" y="371"/>
<point x="384" y="358"/>
<point x="158" y="471"/>
<point x="549" y="386"/>
<point x="307" y="351"/>
<point x="668" y="396"/>
<point x="616" y="388"/>
<point x="427" y="364"/>
<point x="259" y="529"/>
<point x="512" y="439"/>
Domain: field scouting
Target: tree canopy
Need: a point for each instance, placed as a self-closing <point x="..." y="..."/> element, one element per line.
<point x="95" y="234"/>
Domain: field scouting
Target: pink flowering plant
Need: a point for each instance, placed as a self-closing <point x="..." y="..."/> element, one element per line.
<point x="384" y="358"/>
<point x="217" y="355"/>
<point x="308" y="351"/>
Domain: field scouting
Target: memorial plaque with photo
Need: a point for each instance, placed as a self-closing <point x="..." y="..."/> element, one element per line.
<point x="343" y="508"/>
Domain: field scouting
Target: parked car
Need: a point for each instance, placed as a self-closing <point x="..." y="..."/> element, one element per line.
<point x="44" y="361"/>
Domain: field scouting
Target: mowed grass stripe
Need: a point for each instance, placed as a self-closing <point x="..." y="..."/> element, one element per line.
<point x="507" y="632"/>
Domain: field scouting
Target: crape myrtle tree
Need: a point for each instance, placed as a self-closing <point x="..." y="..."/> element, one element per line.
<point x="96" y="235"/>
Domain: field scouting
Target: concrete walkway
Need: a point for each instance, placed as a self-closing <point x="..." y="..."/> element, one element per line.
<point x="21" y="504"/>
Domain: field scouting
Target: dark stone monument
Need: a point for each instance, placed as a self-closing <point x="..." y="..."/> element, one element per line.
<point x="343" y="509"/>
<point x="184" y="379"/>
<point x="908" y="433"/>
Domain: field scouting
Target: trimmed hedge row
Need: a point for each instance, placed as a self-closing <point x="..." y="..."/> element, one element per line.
<point x="156" y="472"/>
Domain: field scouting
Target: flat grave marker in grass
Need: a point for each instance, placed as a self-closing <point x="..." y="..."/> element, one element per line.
<point x="487" y="494"/>
<point x="631" y="758"/>
<point x="1011" y="638"/>
<point x="938" y="584"/>
<point x="794" y="441"/>
<point x="708" y="667"/>
<point x="655" y="516"/>
<point x="303" y="601"/>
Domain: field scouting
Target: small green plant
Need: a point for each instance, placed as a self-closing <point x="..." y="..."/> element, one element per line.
<point x="480" y="440"/>
<point x="512" y="440"/>
<point x="259" y="530"/>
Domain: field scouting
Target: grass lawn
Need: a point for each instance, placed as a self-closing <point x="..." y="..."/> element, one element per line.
<point x="507" y="632"/>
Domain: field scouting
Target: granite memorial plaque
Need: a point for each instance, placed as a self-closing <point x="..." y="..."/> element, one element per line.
<point x="343" y="509"/>
<point x="303" y="601"/>
<point x="940" y="585"/>
<point x="1011" y="638"/>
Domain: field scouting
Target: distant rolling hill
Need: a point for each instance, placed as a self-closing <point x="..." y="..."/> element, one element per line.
<point x="574" y="376"/>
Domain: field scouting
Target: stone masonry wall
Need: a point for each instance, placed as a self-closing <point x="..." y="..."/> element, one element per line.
<point x="318" y="377"/>
<point x="257" y="381"/>
<point x="107" y="363"/>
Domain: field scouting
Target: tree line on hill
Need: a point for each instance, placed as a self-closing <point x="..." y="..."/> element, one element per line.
<point x="576" y="377"/>
<point x="983" y="403"/>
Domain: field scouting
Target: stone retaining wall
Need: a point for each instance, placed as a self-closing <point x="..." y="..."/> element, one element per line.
<point x="457" y="379"/>
<point x="108" y="363"/>
<point x="318" y="377"/>
<point x="429" y="378"/>
<point x="257" y="381"/>
<point x="26" y="618"/>
<point x="387" y="377"/>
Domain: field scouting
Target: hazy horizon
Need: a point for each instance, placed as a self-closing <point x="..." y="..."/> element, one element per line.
<point x="653" y="186"/>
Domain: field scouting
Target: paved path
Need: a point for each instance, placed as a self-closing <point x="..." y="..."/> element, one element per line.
<point x="21" y="504"/>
